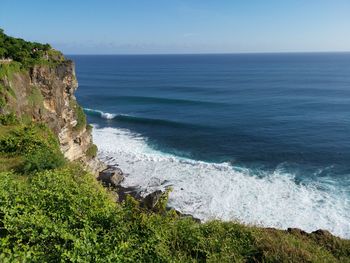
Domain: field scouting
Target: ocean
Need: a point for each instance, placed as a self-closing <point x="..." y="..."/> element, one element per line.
<point x="258" y="138"/>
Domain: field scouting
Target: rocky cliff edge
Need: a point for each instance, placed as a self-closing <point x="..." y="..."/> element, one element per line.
<point x="45" y="93"/>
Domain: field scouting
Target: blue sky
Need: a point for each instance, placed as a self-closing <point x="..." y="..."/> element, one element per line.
<point x="180" y="26"/>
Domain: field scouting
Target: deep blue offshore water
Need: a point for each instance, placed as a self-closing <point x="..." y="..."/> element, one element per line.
<point x="256" y="111"/>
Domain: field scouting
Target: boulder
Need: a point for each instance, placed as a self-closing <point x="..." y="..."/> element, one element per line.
<point x="322" y="233"/>
<point x="150" y="201"/>
<point x="111" y="177"/>
<point x="296" y="231"/>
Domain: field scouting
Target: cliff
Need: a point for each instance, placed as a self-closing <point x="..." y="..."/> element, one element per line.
<point x="52" y="210"/>
<point x="45" y="93"/>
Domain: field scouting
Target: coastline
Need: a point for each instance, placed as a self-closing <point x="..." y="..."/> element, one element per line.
<point x="112" y="178"/>
<point x="60" y="202"/>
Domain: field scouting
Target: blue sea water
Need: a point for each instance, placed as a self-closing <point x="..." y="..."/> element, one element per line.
<point x="262" y="138"/>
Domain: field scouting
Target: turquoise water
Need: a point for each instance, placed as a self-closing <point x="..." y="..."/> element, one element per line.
<point x="262" y="138"/>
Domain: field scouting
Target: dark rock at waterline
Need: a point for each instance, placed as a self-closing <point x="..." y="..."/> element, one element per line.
<point x="111" y="177"/>
<point x="319" y="234"/>
<point x="296" y="231"/>
<point x="322" y="232"/>
<point x="148" y="202"/>
<point x="123" y="192"/>
<point x="151" y="200"/>
<point x="182" y="215"/>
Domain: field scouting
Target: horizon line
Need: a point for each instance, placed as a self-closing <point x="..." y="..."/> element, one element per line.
<point x="209" y="53"/>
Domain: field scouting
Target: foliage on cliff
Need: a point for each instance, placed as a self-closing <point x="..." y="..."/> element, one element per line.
<point x="57" y="212"/>
<point x="53" y="211"/>
<point x="25" y="52"/>
<point x="27" y="148"/>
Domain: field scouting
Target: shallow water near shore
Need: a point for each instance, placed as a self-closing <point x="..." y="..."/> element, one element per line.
<point x="260" y="138"/>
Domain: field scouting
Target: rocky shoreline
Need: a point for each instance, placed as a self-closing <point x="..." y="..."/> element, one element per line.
<point x="112" y="178"/>
<point x="55" y="104"/>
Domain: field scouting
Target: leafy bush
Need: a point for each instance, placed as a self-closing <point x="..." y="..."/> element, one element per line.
<point x="79" y="114"/>
<point x="8" y="119"/>
<point x="43" y="158"/>
<point x="22" y="140"/>
<point x="64" y="215"/>
<point x="89" y="127"/>
<point x="37" y="146"/>
<point x="35" y="97"/>
<point x="91" y="151"/>
<point x="2" y="101"/>
<point x="27" y="53"/>
<point x="161" y="205"/>
<point x="7" y="70"/>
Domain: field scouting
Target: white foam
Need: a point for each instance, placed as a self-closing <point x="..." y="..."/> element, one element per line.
<point x="104" y="115"/>
<point x="108" y="116"/>
<point x="210" y="191"/>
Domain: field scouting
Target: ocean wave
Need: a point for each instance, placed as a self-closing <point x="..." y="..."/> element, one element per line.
<point x="221" y="191"/>
<point x="134" y="119"/>
<point x="104" y="115"/>
<point x="156" y="100"/>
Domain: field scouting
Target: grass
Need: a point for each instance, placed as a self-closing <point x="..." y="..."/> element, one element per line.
<point x="7" y="70"/>
<point x="80" y="116"/>
<point x="35" y="98"/>
<point x="65" y="215"/>
<point x="60" y="213"/>
<point x="91" y="151"/>
<point x="5" y="92"/>
<point x="53" y="211"/>
<point x="28" y="148"/>
<point x="9" y="163"/>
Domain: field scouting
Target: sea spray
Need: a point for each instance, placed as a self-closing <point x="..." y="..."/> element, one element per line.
<point x="222" y="191"/>
<point x="104" y="115"/>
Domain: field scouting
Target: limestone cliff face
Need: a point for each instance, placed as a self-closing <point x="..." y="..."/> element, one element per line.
<point x="46" y="93"/>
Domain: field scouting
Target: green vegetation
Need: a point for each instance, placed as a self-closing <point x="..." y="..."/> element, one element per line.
<point x="27" y="53"/>
<point x="9" y="69"/>
<point x="35" y="98"/>
<point x="64" y="215"/>
<point x="80" y="115"/>
<point x="33" y="146"/>
<point x="8" y="119"/>
<point x="91" y="151"/>
<point x="54" y="211"/>
<point x="2" y="101"/>
<point x="89" y="127"/>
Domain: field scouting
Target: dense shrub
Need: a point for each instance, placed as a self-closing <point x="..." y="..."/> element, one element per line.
<point x="91" y="151"/>
<point x="36" y="144"/>
<point x="42" y="159"/>
<point x="21" y="140"/>
<point x="79" y="114"/>
<point x="8" y="119"/>
<point x="64" y="215"/>
<point x="27" y="53"/>
<point x="35" y="97"/>
<point x="7" y="70"/>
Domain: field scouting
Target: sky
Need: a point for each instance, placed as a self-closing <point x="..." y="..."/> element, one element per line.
<point x="180" y="26"/>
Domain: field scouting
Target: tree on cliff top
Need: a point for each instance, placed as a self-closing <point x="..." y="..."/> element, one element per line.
<point x="25" y="52"/>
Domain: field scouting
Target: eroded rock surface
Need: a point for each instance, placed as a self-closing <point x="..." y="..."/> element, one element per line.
<point x="46" y="94"/>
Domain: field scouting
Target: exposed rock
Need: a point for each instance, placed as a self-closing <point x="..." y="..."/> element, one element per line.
<point x="111" y="177"/>
<point x="46" y="94"/>
<point x="151" y="200"/>
<point x="123" y="192"/>
<point x="322" y="232"/>
<point x="296" y="231"/>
